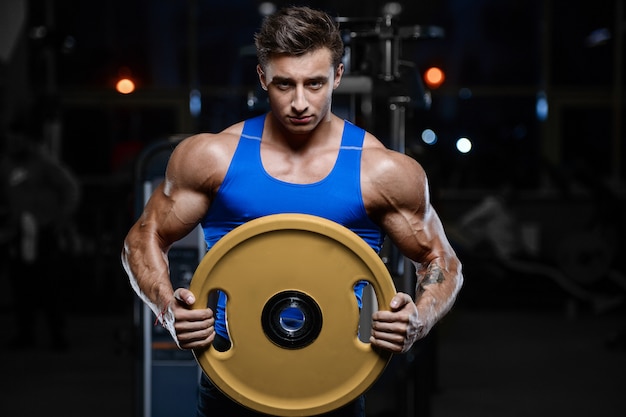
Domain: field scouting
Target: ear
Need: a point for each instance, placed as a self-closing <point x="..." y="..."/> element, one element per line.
<point x="262" y="79"/>
<point x="338" y="74"/>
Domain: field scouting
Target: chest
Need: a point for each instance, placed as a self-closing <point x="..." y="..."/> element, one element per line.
<point x="298" y="167"/>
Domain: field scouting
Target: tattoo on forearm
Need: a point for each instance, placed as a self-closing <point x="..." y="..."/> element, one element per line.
<point x="433" y="275"/>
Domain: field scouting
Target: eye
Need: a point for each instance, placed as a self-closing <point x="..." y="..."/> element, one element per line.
<point x="316" y="84"/>
<point x="282" y="85"/>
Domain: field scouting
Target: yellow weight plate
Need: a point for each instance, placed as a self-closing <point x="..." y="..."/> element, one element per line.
<point x="263" y="260"/>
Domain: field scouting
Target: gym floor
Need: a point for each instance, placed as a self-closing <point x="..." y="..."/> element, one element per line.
<point x="492" y="362"/>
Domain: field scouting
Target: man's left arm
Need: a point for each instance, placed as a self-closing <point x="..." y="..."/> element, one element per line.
<point x="415" y="228"/>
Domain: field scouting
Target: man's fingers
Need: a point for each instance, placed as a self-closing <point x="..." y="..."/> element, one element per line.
<point x="195" y="317"/>
<point x="197" y="339"/>
<point x="393" y="329"/>
<point x="195" y="328"/>
<point x="184" y="296"/>
<point x="387" y="341"/>
<point x="400" y="300"/>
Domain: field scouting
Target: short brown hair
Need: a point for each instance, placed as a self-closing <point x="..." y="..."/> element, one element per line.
<point x="297" y="30"/>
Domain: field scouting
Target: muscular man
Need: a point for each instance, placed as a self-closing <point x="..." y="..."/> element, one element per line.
<point x="283" y="162"/>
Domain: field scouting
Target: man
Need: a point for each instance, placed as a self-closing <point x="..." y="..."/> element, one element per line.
<point x="300" y="157"/>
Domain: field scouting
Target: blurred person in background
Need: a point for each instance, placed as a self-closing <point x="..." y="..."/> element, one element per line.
<point x="39" y="196"/>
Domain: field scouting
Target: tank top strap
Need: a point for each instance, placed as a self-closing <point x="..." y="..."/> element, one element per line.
<point x="352" y="136"/>
<point x="253" y="128"/>
<point x="349" y="159"/>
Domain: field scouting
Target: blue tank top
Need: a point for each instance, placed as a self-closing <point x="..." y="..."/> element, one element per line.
<point x="248" y="192"/>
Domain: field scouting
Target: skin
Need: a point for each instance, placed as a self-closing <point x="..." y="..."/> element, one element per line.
<point x="300" y="144"/>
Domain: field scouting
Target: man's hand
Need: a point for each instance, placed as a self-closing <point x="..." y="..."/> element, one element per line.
<point x="397" y="329"/>
<point x="194" y="328"/>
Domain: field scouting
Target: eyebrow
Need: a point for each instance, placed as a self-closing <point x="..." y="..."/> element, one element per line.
<point x="279" y="79"/>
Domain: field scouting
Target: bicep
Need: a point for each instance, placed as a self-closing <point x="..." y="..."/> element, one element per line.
<point x="171" y="215"/>
<point x="179" y="203"/>
<point x="417" y="233"/>
<point x="407" y="215"/>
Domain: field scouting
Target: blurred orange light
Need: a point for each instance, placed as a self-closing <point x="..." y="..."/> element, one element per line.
<point x="434" y="77"/>
<point x="125" y="86"/>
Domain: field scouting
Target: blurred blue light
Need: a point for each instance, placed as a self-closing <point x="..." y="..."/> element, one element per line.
<point x="195" y="102"/>
<point x="465" y="93"/>
<point x="541" y="107"/>
<point x="429" y="136"/>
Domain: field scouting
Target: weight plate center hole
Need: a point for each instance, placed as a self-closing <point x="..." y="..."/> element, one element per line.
<point x="292" y="319"/>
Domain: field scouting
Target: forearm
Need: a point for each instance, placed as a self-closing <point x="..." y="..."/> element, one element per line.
<point x="436" y="289"/>
<point x="148" y="275"/>
<point x="148" y="272"/>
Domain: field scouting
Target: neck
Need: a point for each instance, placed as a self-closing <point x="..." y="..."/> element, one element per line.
<point x="322" y="135"/>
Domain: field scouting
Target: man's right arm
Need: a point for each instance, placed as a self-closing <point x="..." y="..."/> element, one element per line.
<point x="174" y="210"/>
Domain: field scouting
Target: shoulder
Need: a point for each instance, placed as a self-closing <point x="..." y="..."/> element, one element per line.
<point x="210" y="145"/>
<point x="204" y="158"/>
<point x="390" y="178"/>
<point x="387" y="164"/>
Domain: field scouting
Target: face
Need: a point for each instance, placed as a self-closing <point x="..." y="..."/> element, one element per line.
<point x="300" y="88"/>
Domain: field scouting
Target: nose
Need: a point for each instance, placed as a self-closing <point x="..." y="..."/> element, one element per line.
<point x="299" y="103"/>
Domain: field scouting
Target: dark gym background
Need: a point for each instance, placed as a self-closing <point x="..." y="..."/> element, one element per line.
<point x="537" y="86"/>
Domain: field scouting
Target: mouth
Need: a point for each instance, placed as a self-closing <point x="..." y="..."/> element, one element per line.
<point x="300" y="120"/>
